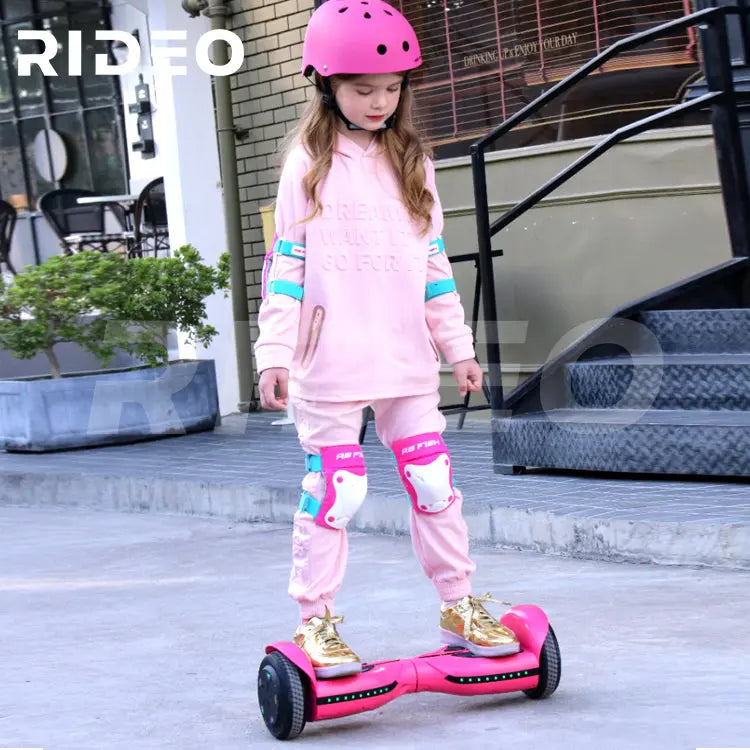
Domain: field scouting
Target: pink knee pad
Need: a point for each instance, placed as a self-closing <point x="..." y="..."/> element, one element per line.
<point x="343" y="467"/>
<point x="424" y="465"/>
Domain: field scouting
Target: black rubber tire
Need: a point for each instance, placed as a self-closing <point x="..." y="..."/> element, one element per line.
<point x="281" y="696"/>
<point x="550" y="668"/>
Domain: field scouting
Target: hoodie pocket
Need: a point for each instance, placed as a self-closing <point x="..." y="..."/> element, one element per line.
<point x="313" y="334"/>
<point x="434" y="349"/>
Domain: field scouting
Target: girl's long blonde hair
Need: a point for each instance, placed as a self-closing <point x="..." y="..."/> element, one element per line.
<point x="316" y="130"/>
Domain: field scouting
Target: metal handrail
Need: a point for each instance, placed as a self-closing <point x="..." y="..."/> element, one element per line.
<point x="731" y="161"/>
<point x="594" y="153"/>
<point x="621" y="45"/>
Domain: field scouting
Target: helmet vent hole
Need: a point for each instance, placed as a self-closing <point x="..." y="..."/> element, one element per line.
<point x="382" y="49"/>
<point x="388" y="12"/>
<point x="405" y="45"/>
<point x="367" y="15"/>
<point x="343" y="10"/>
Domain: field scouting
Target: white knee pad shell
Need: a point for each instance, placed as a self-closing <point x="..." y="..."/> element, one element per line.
<point x="424" y="465"/>
<point x="343" y="467"/>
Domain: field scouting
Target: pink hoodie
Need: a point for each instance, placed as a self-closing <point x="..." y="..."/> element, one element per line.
<point x="357" y="300"/>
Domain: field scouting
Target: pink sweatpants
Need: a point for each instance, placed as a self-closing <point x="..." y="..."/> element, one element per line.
<point x="441" y="540"/>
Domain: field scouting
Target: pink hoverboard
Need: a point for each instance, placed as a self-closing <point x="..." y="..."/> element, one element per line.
<point x="290" y="695"/>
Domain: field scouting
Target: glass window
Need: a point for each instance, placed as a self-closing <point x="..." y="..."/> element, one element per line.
<point x="63" y="88"/>
<point x="16" y="8"/>
<point x="96" y="89"/>
<point x="108" y="167"/>
<point x="484" y="60"/>
<point x="46" y="6"/>
<point x="85" y="111"/>
<point x="30" y="128"/>
<point x="71" y="130"/>
<point x="29" y="89"/>
<point x="6" y="99"/>
<point x="12" y="180"/>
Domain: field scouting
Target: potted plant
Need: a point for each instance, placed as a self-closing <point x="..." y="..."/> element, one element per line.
<point x="104" y="302"/>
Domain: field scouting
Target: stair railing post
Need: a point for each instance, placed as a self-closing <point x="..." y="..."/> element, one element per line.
<point x="724" y="46"/>
<point x="486" y="272"/>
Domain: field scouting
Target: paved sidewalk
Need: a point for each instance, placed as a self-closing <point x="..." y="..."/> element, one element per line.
<point x="250" y="470"/>
<point x="144" y="632"/>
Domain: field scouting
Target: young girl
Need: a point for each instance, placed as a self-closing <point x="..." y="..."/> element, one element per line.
<point x="359" y="299"/>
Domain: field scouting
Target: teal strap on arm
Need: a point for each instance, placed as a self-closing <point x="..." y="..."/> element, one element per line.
<point x="436" y="246"/>
<point x="313" y="462"/>
<point x="292" y="249"/>
<point x="308" y="504"/>
<point x="279" y="286"/>
<point x="436" y="288"/>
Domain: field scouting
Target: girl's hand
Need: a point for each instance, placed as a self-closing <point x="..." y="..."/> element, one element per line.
<point x="468" y="375"/>
<point x="269" y="379"/>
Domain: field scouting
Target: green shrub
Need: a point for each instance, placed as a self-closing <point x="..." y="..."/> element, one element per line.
<point x="104" y="302"/>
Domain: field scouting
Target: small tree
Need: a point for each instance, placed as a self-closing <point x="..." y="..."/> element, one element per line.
<point x="104" y="302"/>
<point x="58" y="301"/>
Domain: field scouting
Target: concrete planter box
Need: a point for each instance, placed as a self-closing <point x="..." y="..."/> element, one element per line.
<point x="105" y="407"/>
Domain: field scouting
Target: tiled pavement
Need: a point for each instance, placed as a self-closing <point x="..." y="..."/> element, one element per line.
<point x="134" y="632"/>
<point x="591" y="515"/>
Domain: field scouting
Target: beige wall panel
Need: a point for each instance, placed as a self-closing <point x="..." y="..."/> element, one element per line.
<point x="648" y="215"/>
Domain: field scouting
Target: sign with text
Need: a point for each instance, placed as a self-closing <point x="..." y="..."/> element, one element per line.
<point x="161" y="56"/>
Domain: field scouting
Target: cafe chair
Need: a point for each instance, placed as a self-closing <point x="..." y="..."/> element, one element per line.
<point x="82" y="227"/>
<point x="150" y="221"/>
<point x="7" y="225"/>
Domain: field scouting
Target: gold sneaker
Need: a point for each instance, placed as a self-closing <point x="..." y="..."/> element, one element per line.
<point x="329" y="655"/>
<point x="467" y="623"/>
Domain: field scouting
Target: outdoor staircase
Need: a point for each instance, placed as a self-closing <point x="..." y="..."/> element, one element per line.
<point x="662" y="387"/>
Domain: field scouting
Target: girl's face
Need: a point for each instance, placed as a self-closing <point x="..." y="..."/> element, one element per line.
<point x="369" y="100"/>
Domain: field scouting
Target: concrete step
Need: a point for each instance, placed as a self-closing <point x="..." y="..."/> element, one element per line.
<point x="721" y="330"/>
<point x="690" y="441"/>
<point x="674" y="381"/>
<point x="588" y="518"/>
<point x="246" y="471"/>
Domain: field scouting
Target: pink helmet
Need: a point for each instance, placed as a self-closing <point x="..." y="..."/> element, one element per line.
<point x="359" y="37"/>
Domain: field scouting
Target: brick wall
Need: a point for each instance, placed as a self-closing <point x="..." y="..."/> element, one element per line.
<point x="268" y="95"/>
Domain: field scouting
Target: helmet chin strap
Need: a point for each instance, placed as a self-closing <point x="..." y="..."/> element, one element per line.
<point x="351" y="126"/>
<point x="330" y="101"/>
